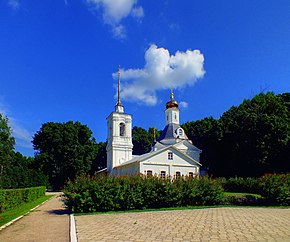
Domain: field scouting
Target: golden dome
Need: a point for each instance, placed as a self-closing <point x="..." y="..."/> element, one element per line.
<point x="172" y="103"/>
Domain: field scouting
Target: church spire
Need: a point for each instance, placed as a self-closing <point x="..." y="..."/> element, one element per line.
<point x="119" y="108"/>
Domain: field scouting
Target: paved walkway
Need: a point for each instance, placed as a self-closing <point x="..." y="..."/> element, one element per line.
<point x="216" y="224"/>
<point x="49" y="222"/>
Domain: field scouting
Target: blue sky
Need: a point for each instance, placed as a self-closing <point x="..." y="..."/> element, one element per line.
<point x="58" y="59"/>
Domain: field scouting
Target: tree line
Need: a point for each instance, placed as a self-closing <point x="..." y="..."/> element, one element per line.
<point x="247" y="140"/>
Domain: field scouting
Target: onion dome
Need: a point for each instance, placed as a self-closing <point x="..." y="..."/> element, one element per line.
<point x="172" y="103"/>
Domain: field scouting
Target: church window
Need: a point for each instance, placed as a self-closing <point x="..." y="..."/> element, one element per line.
<point x="177" y="174"/>
<point x="190" y="174"/>
<point x="180" y="132"/>
<point x="122" y="129"/>
<point x="170" y="155"/>
<point x="149" y="173"/>
<point x="163" y="174"/>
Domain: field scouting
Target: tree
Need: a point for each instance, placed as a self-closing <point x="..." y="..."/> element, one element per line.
<point x="206" y="135"/>
<point x="64" y="150"/>
<point x="7" y="143"/>
<point x="101" y="157"/>
<point x="21" y="173"/>
<point x="143" y="139"/>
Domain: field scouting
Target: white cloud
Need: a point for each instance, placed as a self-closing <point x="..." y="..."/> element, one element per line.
<point x="23" y="136"/>
<point x="183" y="104"/>
<point x="138" y="12"/>
<point x="161" y="71"/>
<point x="14" y="4"/>
<point x="114" y="11"/>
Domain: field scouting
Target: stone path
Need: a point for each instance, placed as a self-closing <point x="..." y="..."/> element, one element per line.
<point x="49" y="222"/>
<point x="216" y="224"/>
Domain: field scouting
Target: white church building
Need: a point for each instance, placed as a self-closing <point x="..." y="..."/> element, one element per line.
<point x="172" y="155"/>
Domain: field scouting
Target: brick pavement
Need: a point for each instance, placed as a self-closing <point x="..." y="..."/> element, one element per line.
<point x="49" y="222"/>
<point x="215" y="224"/>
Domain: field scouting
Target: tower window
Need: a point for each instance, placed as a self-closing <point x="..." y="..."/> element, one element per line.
<point x="170" y="155"/>
<point x="122" y="129"/>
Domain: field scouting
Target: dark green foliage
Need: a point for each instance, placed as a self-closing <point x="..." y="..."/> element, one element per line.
<point x="7" y="143"/>
<point x="64" y="150"/>
<point x="100" y="161"/>
<point x="91" y="194"/>
<point x="248" y="140"/>
<point x="21" y="173"/>
<point x="240" y="184"/>
<point x="13" y="198"/>
<point x="143" y="139"/>
<point x="276" y="188"/>
<point x="244" y="200"/>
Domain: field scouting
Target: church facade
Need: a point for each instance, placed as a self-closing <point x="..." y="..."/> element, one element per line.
<point x="172" y="155"/>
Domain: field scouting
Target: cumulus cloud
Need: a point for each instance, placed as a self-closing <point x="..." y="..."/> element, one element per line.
<point x="183" y="104"/>
<point x="161" y="71"/>
<point x="114" y="11"/>
<point x="14" y="4"/>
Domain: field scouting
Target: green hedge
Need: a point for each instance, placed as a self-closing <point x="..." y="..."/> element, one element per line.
<point x="275" y="188"/>
<point x="111" y="193"/>
<point x="240" y="184"/>
<point x="13" y="198"/>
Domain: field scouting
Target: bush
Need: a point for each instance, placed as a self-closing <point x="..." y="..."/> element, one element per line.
<point x="13" y="198"/>
<point x="240" y="184"/>
<point x="90" y="194"/>
<point x="243" y="199"/>
<point x="276" y="188"/>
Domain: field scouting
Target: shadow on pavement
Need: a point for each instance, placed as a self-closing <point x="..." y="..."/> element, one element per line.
<point x="58" y="211"/>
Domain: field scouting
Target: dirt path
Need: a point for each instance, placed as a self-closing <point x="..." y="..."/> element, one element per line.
<point x="49" y="222"/>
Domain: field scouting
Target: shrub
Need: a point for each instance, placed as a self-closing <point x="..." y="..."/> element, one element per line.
<point x="240" y="184"/>
<point x="89" y="194"/>
<point x="243" y="199"/>
<point x="276" y="188"/>
<point x="12" y="198"/>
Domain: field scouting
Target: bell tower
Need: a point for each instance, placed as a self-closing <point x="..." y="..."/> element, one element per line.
<point x="119" y="147"/>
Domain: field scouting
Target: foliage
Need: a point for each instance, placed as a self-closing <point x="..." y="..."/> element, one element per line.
<point x="13" y="198"/>
<point x="7" y="143"/>
<point x="100" y="161"/>
<point x="143" y="139"/>
<point x="240" y="184"/>
<point x="21" y="173"/>
<point x="243" y="199"/>
<point x="248" y="140"/>
<point x="64" y="150"/>
<point x="90" y="194"/>
<point x="276" y="188"/>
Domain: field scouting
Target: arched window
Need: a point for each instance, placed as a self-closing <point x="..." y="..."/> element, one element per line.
<point x="122" y="129"/>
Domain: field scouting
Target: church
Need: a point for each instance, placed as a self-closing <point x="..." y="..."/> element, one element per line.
<point x="173" y="154"/>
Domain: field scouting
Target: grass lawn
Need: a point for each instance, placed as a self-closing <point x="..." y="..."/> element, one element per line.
<point x="242" y="194"/>
<point x="7" y="216"/>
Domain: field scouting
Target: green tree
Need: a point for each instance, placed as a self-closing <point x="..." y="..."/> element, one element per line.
<point x="22" y="173"/>
<point x="143" y="139"/>
<point x="101" y="157"/>
<point x="254" y="135"/>
<point x="206" y="135"/>
<point x="64" y="150"/>
<point x="7" y="143"/>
